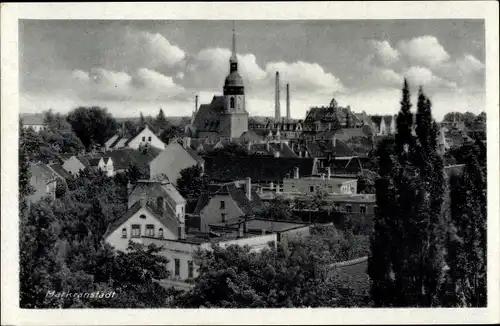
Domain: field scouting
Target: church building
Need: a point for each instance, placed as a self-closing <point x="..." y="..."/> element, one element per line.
<point x="226" y="116"/>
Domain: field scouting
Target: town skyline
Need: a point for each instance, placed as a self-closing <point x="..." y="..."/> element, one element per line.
<point x="142" y="66"/>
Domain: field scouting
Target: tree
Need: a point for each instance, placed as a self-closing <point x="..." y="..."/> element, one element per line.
<point x="277" y="209"/>
<point x="169" y="133"/>
<point x="192" y="182"/>
<point x="161" y="122"/>
<point x="142" y="121"/>
<point x="406" y="263"/>
<point x="137" y="172"/>
<point x="366" y="182"/>
<point x="466" y="242"/>
<point x="93" y="125"/>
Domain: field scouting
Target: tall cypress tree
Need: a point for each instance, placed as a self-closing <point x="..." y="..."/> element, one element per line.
<point x="407" y="270"/>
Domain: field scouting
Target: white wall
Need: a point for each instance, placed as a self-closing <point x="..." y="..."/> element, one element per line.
<point x="146" y="133"/>
<point x="115" y="238"/>
<point x="73" y="165"/>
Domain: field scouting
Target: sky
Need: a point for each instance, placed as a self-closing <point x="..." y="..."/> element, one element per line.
<point x="141" y="66"/>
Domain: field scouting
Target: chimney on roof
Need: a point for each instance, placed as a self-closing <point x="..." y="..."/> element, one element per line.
<point x="240" y="230"/>
<point x="186" y="142"/>
<point x="248" y="188"/>
<point x="144" y="198"/>
<point x="322" y="176"/>
<point x="268" y="147"/>
<point x="249" y="146"/>
<point x="277" y="112"/>
<point x="288" y="116"/>
<point x="181" y="230"/>
<point x="281" y="145"/>
<point x="296" y="172"/>
<point x="196" y="103"/>
<point x="334" y="141"/>
<point x="328" y="172"/>
<point x="276" y="154"/>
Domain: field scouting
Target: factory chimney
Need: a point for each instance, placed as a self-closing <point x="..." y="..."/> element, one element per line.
<point x="288" y="102"/>
<point x="196" y="103"/>
<point x="277" y="113"/>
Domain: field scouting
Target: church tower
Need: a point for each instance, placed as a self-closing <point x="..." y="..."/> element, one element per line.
<point x="234" y="119"/>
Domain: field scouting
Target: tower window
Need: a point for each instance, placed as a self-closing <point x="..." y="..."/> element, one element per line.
<point x="231" y="102"/>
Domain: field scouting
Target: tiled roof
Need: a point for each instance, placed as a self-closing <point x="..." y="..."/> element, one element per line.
<point x="84" y="161"/>
<point x="60" y="171"/>
<point x="285" y="150"/>
<point x="251" y="135"/>
<point x="347" y="133"/>
<point x="258" y="168"/>
<point x="166" y="219"/>
<point x="237" y="193"/>
<point x="157" y="189"/>
<point x="194" y="155"/>
<point x="321" y="149"/>
<point x="207" y="116"/>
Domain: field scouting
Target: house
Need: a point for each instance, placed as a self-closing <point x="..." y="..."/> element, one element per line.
<point x="151" y="219"/>
<point x="75" y="164"/>
<point x="43" y="180"/>
<point x="228" y="202"/>
<point x="35" y="122"/>
<point x="312" y="184"/>
<point x="275" y="149"/>
<point x="145" y="136"/>
<point x="173" y="159"/>
<point x="277" y="130"/>
<point x="60" y="172"/>
<point x="332" y="117"/>
<point x="264" y="171"/>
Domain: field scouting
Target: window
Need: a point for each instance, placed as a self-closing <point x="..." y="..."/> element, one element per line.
<point x="143" y="138"/>
<point x="177" y="266"/>
<point x="136" y="231"/>
<point x="142" y="216"/>
<point x="149" y="138"/>
<point x="311" y="188"/>
<point x="150" y="230"/>
<point x="124" y="232"/>
<point x="223" y="217"/>
<point x="231" y="102"/>
<point x="190" y="269"/>
<point x="222" y="204"/>
<point x="362" y="209"/>
<point x="160" y="233"/>
<point x="348" y="208"/>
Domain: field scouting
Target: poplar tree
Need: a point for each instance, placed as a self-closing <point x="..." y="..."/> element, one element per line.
<point x="406" y="262"/>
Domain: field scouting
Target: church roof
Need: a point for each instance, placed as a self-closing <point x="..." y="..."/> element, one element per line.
<point x="207" y="117"/>
<point x="234" y="79"/>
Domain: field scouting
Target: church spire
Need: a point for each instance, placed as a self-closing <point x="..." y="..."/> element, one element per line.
<point x="233" y="61"/>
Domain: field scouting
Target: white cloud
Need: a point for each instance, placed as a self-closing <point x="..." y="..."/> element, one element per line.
<point x="133" y="50"/>
<point x="384" y="77"/>
<point x="468" y="64"/>
<point x="424" y="50"/>
<point x="422" y="76"/>
<point x="384" y="54"/>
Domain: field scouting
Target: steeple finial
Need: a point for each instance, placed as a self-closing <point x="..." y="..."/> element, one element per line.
<point x="233" y="54"/>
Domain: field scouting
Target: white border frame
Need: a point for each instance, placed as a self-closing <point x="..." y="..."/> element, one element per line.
<point x="11" y="13"/>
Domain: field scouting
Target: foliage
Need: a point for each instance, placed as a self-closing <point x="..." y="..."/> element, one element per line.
<point x="93" y="125"/>
<point x="366" y="182"/>
<point x="278" y="209"/>
<point x="192" y="182"/>
<point x="295" y="273"/>
<point x="466" y="240"/>
<point x="61" y="250"/>
<point x="406" y="262"/>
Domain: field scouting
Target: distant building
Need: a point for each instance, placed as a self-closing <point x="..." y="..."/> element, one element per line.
<point x="77" y="163"/>
<point x="311" y="184"/>
<point x="34" y="122"/>
<point x="43" y="180"/>
<point x="227" y="202"/>
<point x="384" y="125"/>
<point x="173" y="159"/>
<point x="143" y="137"/>
<point x="226" y="116"/>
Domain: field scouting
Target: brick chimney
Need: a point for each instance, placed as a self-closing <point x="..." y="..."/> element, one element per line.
<point x="277" y="112"/>
<point x="296" y="172"/>
<point x="186" y="142"/>
<point x="288" y="116"/>
<point x="248" y="188"/>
